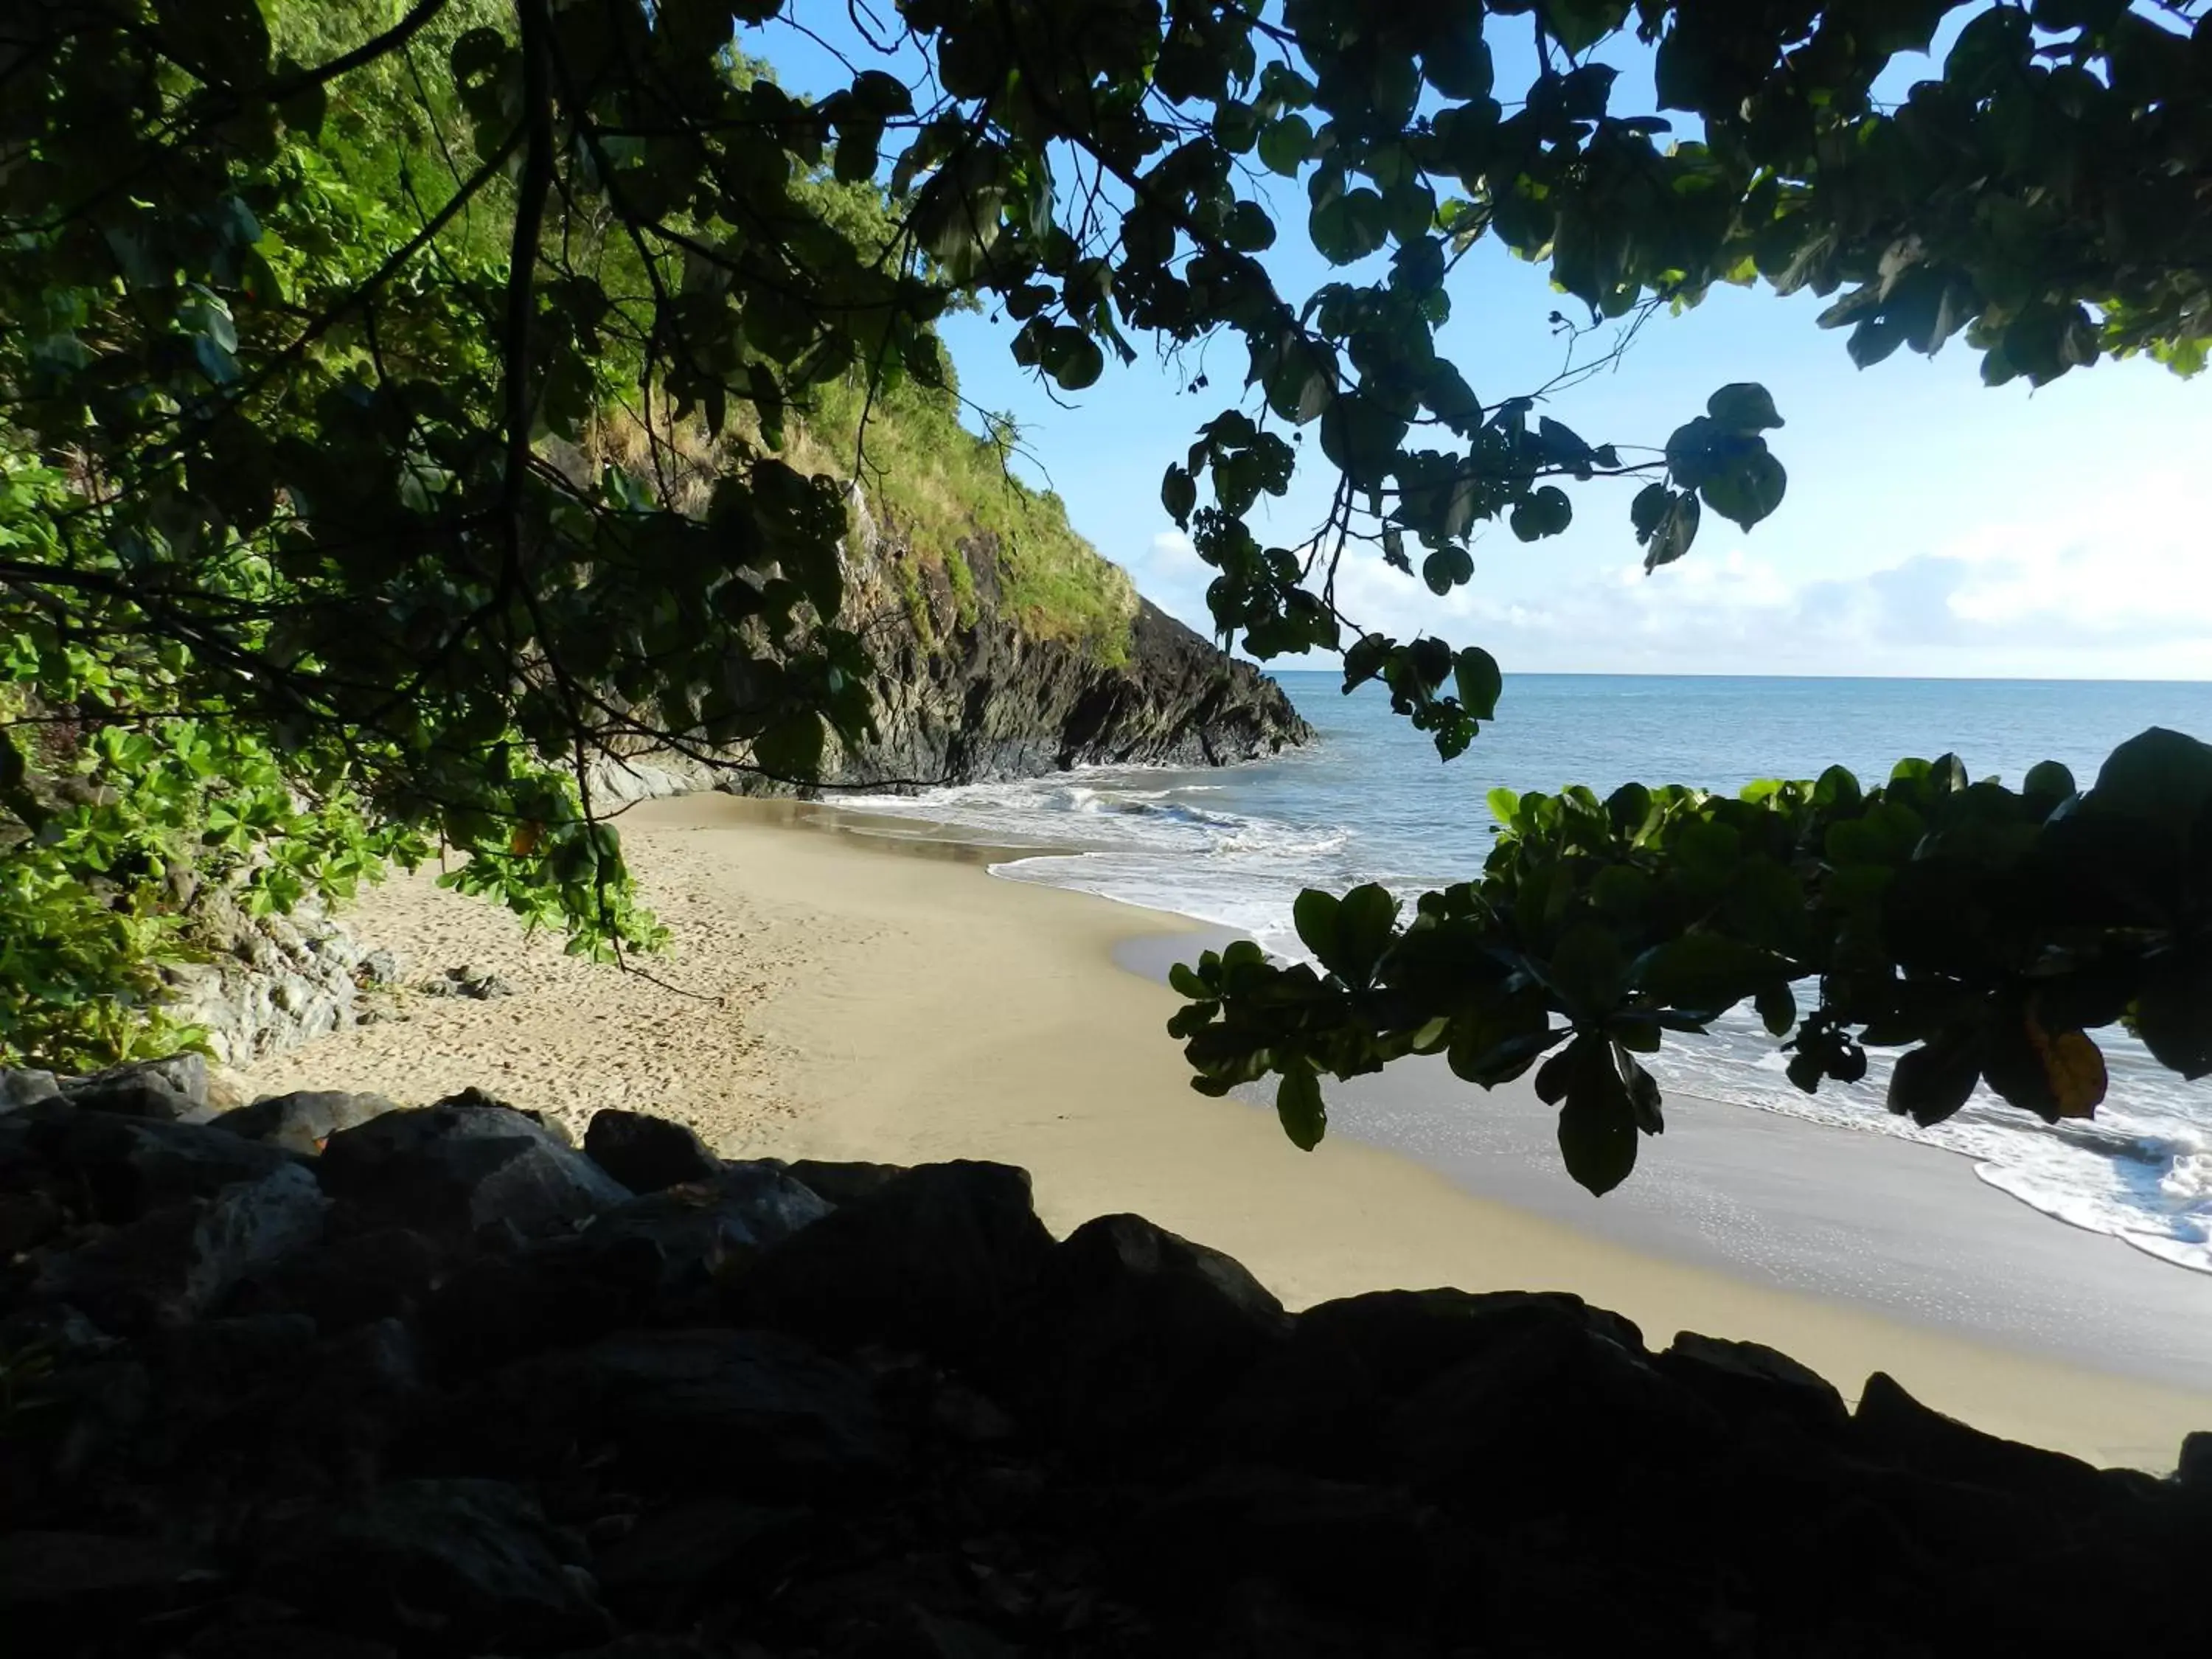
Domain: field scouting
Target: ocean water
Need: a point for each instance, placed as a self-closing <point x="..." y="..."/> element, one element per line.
<point x="1371" y="802"/>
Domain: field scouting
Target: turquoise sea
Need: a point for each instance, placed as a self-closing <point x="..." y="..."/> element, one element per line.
<point x="1371" y="802"/>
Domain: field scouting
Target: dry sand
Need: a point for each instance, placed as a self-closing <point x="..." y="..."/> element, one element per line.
<point x="830" y="993"/>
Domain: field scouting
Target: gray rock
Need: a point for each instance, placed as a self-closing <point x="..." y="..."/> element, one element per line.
<point x="1745" y="1378"/>
<point x="86" y="1582"/>
<point x="176" y="1262"/>
<point x="842" y="1183"/>
<point x="477" y="984"/>
<point x="2194" y="1469"/>
<point x="384" y="1273"/>
<point x="670" y="1557"/>
<point x="647" y="1154"/>
<point x="449" y="1171"/>
<point x="302" y="1120"/>
<point x="765" y="1413"/>
<point x="1145" y="1331"/>
<point x="473" y="1096"/>
<point x="453" y="1565"/>
<point x="20" y="1087"/>
<point x="185" y="1074"/>
<point x="147" y="1097"/>
<point x="1890" y="1422"/>
<point x="708" y="1227"/>
<point x="27" y="1220"/>
<point x="130" y="1167"/>
<point x="285" y="1639"/>
<point x="378" y="968"/>
<point x="1320" y="1402"/>
<point x="977" y="697"/>
<point x="936" y="1260"/>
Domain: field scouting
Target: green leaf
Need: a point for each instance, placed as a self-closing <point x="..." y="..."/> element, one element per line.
<point x="1579" y="24"/>
<point x="1314" y="915"/>
<point x="1545" y="513"/>
<point x="1671" y="540"/>
<point x="1708" y="973"/>
<point x="1749" y="491"/>
<point x="1298" y="1105"/>
<point x="2173" y="1015"/>
<point x="1476" y="677"/>
<point x="1744" y="407"/>
<point x="2160" y="777"/>
<point x="1285" y="145"/>
<point x="791" y="749"/>
<point x="1350" y="227"/>
<point x="1934" y="1080"/>
<point x="1178" y="494"/>
<point x="1080" y="365"/>
<point x="1597" y="1118"/>
<point x="1446" y="569"/>
<point x="1586" y="971"/>
<point x="1364" y="922"/>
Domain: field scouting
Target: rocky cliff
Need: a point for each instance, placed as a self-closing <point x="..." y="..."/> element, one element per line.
<point x="976" y="682"/>
<point x="322" y="1377"/>
<point x="968" y="691"/>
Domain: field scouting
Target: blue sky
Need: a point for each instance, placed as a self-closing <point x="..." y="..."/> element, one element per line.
<point x="1932" y="526"/>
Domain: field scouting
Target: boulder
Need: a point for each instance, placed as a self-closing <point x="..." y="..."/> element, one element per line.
<point x="708" y="1227"/>
<point x="302" y="1120"/>
<point x="128" y="1167"/>
<point x="182" y="1074"/>
<point x="750" y="1411"/>
<point x="937" y="1259"/>
<point x="2194" y="1468"/>
<point x="143" y="1096"/>
<point x="1318" y="1401"/>
<point x="842" y="1183"/>
<point x="27" y="1220"/>
<point x="1234" y="1525"/>
<point x="65" y="1591"/>
<point x="361" y="1394"/>
<point x="755" y="1415"/>
<point x="1891" y="1424"/>
<point x="1553" y="1411"/>
<point x="1746" y="1378"/>
<point x="440" y="1566"/>
<point x="1145" y="1331"/>
<point x="20" y="1087"/>
<point x="448" y="1170"/>
<point x="674" y="1558"/>
<point x="647" y="1154"/>
<point x="553" y="1295"/>
<point x="478" y="1099"/>
<point x="261" y="1638"/>
<point x="384" y="1273"/>
<point x="174" y="1263"/>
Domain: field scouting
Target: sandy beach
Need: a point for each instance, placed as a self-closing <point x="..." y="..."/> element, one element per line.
<point x="843" y="989"/>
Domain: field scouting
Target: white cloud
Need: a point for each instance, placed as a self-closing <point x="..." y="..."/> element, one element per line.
<point x="2099" y="587"/>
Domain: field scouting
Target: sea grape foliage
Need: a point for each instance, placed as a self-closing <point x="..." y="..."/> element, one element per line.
<point x="317" y="307"/>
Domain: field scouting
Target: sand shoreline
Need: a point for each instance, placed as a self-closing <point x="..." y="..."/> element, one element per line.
<point x="832" y="994"/>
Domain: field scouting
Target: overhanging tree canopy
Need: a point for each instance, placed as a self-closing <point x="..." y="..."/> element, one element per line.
<point x="292" y="470"/>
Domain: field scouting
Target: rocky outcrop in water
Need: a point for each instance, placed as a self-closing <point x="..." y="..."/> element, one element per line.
<point x="451" y="1387"/>
<point x="966" y="693"/>
<point x="967" y="701"/>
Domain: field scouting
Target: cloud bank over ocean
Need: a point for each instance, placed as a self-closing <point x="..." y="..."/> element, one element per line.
<point x="2076" y="587"/>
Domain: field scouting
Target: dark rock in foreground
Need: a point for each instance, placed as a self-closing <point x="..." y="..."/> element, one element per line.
<point x="453" y="1388"/>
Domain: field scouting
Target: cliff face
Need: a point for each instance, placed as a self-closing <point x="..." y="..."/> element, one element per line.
<point x="967" y="692"/>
